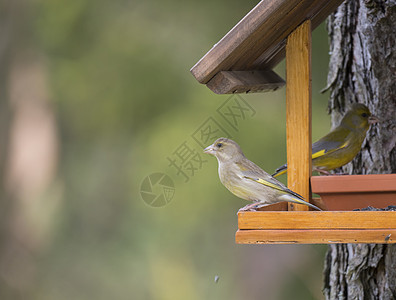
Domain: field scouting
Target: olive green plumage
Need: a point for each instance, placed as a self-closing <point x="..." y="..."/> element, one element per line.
<point x="342" y="144"/>
<point x="246" y="180"/>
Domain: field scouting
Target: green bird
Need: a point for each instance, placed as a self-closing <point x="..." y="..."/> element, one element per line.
<point x="246" y="180"/>
<point x="342" y="144"/>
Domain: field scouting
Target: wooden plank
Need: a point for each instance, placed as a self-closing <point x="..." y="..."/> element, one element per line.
<point x="324" y="236"/>
<point x="229" y="82"/>
<point x="257" y="42"/>
<point x="298" y="112"/>
<point x="317" y="220"/>
<point x="355" y="183"/>
<point x="276" y="52"/>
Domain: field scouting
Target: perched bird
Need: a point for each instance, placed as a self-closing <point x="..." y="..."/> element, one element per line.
<point x="342" y="144"/>
<point x="248" y="181"/>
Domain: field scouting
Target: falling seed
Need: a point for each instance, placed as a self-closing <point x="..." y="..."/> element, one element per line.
<point x="217" y="278"/>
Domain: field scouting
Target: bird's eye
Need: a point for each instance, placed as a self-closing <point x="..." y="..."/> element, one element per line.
<point x="364" y="115"/>
<point x="219" y="145"/>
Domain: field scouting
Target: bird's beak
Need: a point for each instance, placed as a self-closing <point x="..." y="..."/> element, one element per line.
<point x="209" y="150"/>
<point x="373" y="119"/>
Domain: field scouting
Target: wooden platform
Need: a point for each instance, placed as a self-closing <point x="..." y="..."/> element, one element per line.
<point x="316" y="227"/>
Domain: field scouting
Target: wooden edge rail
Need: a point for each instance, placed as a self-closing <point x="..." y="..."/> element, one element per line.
<point x="317" y="220"/>
<point x="320" y="236"/>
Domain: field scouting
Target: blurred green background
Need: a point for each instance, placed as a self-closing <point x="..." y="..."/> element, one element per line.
<point x="95" y="96"/>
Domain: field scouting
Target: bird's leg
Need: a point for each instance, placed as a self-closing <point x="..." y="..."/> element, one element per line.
<point x="260" y="205"/>
<point x="324" y="172"/>
<point x="321" y="172"/>
<point x="250" y="207"/>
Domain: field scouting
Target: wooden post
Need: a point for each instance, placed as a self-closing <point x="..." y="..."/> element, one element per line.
<point x="298" y="111"/>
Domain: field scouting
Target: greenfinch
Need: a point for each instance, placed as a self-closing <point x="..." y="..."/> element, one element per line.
<point x="342" y="144"/>
<point x="246" y="180"/>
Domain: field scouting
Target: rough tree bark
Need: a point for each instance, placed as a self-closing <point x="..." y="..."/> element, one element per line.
<point x="363" y="69"/>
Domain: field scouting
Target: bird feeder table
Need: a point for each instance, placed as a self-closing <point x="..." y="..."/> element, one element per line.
<point x="242" y="62"/>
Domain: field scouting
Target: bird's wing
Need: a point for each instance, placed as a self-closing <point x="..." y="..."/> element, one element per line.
<point x="334" y="141"/>
<point x="267" y="180"/>
<point x="279" y="171"/>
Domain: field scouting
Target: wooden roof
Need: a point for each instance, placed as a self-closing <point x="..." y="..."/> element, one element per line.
<point x="242" y="60"/>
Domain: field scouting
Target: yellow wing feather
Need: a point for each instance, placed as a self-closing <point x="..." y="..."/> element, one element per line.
<point x="264" y="182"/>
<point x="323" y="151"/>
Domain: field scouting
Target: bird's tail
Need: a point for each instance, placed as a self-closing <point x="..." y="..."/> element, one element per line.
<point x="290" y="198"/>
<point x="280" y="171"/>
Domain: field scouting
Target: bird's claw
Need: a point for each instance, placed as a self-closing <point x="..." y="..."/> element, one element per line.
<point x="249" y="207"/>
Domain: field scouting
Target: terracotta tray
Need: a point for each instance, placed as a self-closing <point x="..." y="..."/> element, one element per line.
<point x="348" y="192"/>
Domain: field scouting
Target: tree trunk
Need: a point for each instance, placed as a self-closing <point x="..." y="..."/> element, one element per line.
<point x="363" y="69"/>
